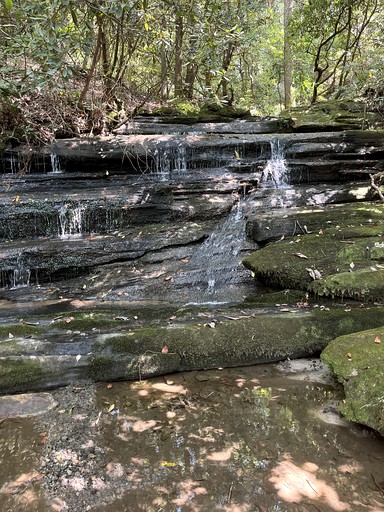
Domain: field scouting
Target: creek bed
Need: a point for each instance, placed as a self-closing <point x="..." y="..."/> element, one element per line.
<point x="244" y="439"/>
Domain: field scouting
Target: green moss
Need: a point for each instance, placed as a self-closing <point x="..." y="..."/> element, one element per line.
<point x="358" y="362"/>
<point x="86" y="321"/>
<point x="363" y="284"/>
<point x="246" y="341"/>
<point x="377" y="251"/>
<point x="337" y="114"/>
<point x="19" y="330"/>
<point x="344" y="256"/>
<point x="99" y="367"/>
<point x="16" y="373"/>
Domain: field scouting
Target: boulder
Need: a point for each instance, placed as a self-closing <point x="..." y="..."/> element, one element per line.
<point x="334" y="252"/>
<point x="105" y="346"/>
<point x="357" y="360"/>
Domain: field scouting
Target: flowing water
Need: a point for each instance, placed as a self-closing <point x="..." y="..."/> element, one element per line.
<point x="275" y="173"/>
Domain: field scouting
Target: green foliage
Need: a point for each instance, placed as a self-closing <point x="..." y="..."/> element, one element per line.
<point x="111" y="56"/>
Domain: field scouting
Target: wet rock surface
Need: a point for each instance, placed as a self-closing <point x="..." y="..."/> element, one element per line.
<point x="121" y="259"/>
<point x="24" y="405"/>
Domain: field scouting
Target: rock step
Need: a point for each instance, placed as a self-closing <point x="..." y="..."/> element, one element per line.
<point x="169" y="154"/>
<point x="40" y="260"/>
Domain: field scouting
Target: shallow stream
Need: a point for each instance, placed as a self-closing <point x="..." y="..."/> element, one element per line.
<point x="249" y="439"/>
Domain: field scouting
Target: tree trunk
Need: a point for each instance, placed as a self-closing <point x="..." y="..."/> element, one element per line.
<point x="287" y="55"/>
<point x="95" y="60"/>
<point x="178" y="83"/>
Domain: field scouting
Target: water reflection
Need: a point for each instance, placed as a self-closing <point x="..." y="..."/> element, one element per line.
<point x="238" y="440"/>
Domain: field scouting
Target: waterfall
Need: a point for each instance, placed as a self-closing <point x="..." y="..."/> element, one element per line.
<point x="274" y="174"/>
<point x="71" y="220"/>
<point x="218" y="260"/>
<point x="55" y="162"/>
<point x="20" y="278"/>
<point x="15" y="164"/>
<point x="170" y="159"/>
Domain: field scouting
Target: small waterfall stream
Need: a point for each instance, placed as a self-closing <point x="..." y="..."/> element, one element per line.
<point x="71" y="221"/>
<point x="275" y="172"/>
<point x="168" y="160"/>
<point x="55" y="162"/>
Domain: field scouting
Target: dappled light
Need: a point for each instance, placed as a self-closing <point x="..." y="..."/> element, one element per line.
<point x="296" y="484"/>
<point x="169" y="388"/>
<point x="222" y="456"/>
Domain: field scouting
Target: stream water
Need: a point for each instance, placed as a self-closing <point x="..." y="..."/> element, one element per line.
<point x="236" y="440"/>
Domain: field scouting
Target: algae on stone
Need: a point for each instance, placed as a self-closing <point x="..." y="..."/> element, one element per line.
<point x="16" y="373"/>
<point x="343" y="258"/>
<point x="357" y="360"/>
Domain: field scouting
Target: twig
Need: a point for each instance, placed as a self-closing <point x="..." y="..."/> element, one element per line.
<point x="375" y="183"/>
<point x="377" y="485"/>
<point x="230" y="494"/>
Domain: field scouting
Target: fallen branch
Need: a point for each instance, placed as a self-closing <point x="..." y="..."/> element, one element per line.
<point x="375" y="183"/>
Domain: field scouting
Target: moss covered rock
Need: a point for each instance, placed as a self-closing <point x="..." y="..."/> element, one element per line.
<point x="341" y="260"/>
<point x="357" y="360"/>
<point x="333" y="115"/>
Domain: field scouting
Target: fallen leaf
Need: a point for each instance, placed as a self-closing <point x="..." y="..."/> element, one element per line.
<point x="165" y="349"/>
<point x="109" y="386"/>
<point x="78" y="357"/>
<point x="168" y="278"/>
<point x="314" y="273"/>
<point x="349" y="355"/>
<point x="184" y="261"/>
<point x="212" y="325"/>
<point x="69" y="319"/>
<point x="377" y="340"/>
<point x="111" y="407"/>
<point x="10" y="335"/>
<point x="166" y="464"/>
<point x="300" y="255"/>
<point x="352" y="265"/>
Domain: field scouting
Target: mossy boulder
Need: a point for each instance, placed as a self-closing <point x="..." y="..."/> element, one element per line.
<point x="257" y="339"/>
<point x="357" y="360"/>
<point x="124" y="350"/>
<point x="341" y="260"/>
<point x="333" y="115"/>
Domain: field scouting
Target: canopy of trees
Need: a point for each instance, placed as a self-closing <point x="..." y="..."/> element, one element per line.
<point x="114" y="56"/>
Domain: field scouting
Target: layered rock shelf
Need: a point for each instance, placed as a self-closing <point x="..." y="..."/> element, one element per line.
<point x="121" y="256"/>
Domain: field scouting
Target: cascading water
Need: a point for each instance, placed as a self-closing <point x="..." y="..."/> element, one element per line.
<point x="275" y="172"/>
<point x="218" y="261"/>
<point x="55" y="162"/>
<point x="71" y="220"/>
<point x="14" y="164"/>
<point x="170" y="159"/>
